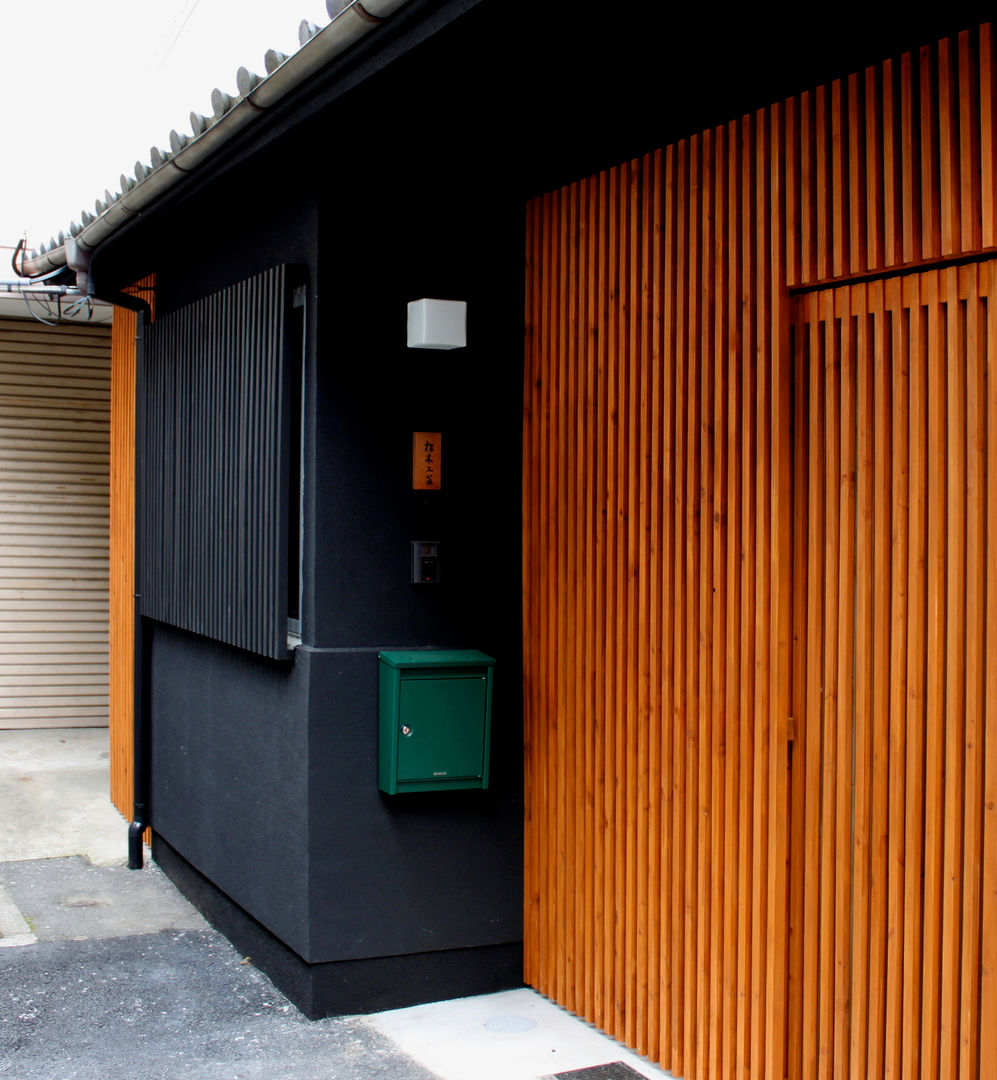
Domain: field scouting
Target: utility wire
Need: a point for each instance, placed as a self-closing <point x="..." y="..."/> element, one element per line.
<point x="176" y="36"/>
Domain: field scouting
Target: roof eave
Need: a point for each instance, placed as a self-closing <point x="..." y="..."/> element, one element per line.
<point x="232" y="116"/>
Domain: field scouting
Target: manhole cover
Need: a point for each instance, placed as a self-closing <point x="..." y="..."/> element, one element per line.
<point x="613" y="1070"/>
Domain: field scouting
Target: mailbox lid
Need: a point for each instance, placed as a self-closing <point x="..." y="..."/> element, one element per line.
<point x="445" y="718"/>
<point x="436" y="658"/>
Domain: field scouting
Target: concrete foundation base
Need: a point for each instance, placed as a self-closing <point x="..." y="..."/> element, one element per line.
<point x="349" y="986"/>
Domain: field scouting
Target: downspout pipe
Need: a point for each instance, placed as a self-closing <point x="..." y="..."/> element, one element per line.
<point x="140" y="748"/>
<point x="350" y="22"/>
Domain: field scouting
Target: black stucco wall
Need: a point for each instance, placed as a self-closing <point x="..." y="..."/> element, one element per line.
<point x="264" y="775"/>
<point x="230" y="773"/>
<point x="405" y="873"/>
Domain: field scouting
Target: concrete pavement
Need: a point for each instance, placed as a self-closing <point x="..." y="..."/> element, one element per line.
<point x="108" y="973"/>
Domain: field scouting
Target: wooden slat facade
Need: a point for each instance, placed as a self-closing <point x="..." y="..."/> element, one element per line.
<point x="53" y="524"/>
<point x="759" y="586"/>
<point x="122" y="546"/>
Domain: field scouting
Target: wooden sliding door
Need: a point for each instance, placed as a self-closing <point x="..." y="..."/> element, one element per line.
<point x="901" y="431"/>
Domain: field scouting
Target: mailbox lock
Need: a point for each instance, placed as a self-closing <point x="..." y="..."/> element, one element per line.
<point x="406" y="730"/>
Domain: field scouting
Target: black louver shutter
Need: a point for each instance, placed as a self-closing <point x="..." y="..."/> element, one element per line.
<point x="214" y="483"/>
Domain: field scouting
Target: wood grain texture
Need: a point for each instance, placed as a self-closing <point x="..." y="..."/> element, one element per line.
<point x="636" y="447"/>
<point x="759" y="586"/>
<point x="122" y="548"/>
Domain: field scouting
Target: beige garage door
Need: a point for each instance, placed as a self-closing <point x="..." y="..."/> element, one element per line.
<point x="54" y="425"/>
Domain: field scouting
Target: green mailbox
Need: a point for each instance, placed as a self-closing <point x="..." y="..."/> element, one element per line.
<point x="434" y="719"/>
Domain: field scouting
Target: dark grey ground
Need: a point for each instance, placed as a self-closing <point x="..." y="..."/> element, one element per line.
<point x="126" y="981"/>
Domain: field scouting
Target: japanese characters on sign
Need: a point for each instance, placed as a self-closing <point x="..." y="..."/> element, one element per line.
<point x="426" y="459"/>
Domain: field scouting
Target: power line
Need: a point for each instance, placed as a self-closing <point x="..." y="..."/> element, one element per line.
<point x="176" y="37"/>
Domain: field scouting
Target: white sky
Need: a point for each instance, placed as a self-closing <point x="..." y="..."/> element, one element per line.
<point x="88" y="86"/>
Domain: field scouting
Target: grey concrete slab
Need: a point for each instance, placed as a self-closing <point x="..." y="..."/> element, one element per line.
<point x="173" y="1005"/>
<point x="71" y="899"/>
<point x="54" y="791"/>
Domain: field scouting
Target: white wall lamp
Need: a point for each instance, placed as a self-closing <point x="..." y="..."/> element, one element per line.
<point x="437" y="324"/>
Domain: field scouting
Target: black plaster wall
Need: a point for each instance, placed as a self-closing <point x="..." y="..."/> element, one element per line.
<point x="405" y="873"/>
<point x="264" y="775"/>
<point x="230" y="764"/>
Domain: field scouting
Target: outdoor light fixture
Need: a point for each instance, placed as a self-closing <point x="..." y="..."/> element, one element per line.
<point x="437" y="324"/>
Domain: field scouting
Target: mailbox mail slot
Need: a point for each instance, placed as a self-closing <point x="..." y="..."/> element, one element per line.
<point x="434" y="720"/>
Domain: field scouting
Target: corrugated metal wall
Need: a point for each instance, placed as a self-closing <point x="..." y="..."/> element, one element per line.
<point x="54" y="424"/>
<point x="705" y="837"/>
<point x="214" y="485"/>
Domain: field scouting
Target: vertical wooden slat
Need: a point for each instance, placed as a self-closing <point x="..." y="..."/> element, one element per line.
<point x="603" y="760"/>
<point x="799" y="737"/>
<point x="680" y="602"/>
<point x="861" y="778"/>
<point x="642" y="223"/>
<point x="879" y="359"/>
<point x="968" y="167"/>
<point x="858" y="259"/>
<point x="975" y="631"/>
<point x="592" y="655"/>
<point x="893" y="217"/>
<point x="988" y="988"/>
<point x="631" y="464"/>
<point x="122" y="547"/>
<point x="929" y="157"/>
<point x="877" y="148"/>
<point x="793" y="194"/>
<point x="899" y="344"/>
<point x="838" y="178"/>
<point x="669" y="952"/>
<point x="573" y="629"/>
<point x="657" y="540"/>
<point x="719" y="823"/>
<point x="705" y="585"/>
<point x="692" y="531"/>
<point x="949" y="186"/>
<point x="910" y="1038"/>
<point x="910" y="168"/>
<point x="953" y="720"/>
<point x="988" y="137"/>
<point x="559" y="501"/>
<point x="746" y="735"/>
<point x="781" y="513"/>
<point x="809" y="246"/>
<point x="655" y="528"/>
<point x="733" y="614"/>
<point x="935" y="649"/>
